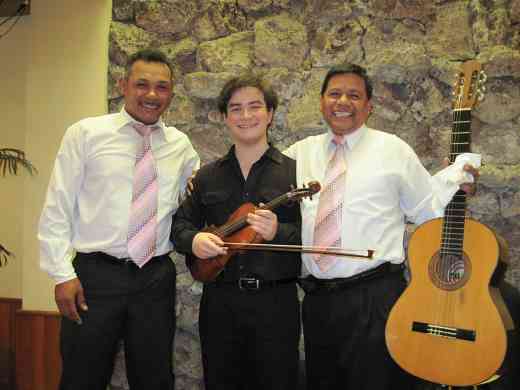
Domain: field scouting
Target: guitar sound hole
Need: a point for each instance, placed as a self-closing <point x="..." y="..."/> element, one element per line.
<point x="448" y="271"/>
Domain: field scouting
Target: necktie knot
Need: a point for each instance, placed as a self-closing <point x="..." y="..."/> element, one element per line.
<point x="142" y="129"/>
<point x="338" y="140"/>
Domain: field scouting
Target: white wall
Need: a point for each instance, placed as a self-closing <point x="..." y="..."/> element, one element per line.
<point x="65" y="48"/>
<point x="13" y="66"/>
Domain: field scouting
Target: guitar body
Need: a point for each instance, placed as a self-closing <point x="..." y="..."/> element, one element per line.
<point x="449" y="325"/>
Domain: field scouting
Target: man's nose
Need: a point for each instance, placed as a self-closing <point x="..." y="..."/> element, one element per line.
<point x="343" y="99"/>
<point x="151" y="92"/>
<point x="246" y="113"/>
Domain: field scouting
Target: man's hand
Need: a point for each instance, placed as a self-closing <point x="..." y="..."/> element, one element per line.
<point x="468" y="188"/>
<point x="190" y="187"/>
<point x="207" y="245"/>
<point x="264" y="222"/>
<point x="69" y="297"/>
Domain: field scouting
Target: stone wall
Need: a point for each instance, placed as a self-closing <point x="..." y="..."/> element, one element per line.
<point x="412" y="49"/>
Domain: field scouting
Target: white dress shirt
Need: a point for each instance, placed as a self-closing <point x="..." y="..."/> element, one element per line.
<point x="90" y="191"/>
<point x="386" y="185"/>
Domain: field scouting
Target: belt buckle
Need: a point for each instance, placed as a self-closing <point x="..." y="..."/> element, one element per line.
<point x="248" y="284"/>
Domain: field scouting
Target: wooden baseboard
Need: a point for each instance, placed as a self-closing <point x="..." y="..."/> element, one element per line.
<point x="37" y="356"/>
<point x="8" y="309"/>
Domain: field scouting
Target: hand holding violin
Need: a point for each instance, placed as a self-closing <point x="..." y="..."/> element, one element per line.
<point x="264" y="222"/>
<point x="206" y="245"/>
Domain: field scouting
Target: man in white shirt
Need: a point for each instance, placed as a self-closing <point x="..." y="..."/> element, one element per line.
<point x="93" y="214"/>
<point x="347" y="300"/>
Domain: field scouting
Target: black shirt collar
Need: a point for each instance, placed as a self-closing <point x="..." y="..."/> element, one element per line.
<point x="272" y="153"/>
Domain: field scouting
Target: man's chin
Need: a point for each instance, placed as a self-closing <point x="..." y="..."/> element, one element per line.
<point x="148" y="119"/>
<point x="342" y="131"/>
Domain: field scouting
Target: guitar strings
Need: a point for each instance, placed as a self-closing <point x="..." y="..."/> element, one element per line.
<point x="448" y="269"/>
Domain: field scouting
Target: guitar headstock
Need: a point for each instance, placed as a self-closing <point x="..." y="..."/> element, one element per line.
<point x="307" y="191"/>
<point x="469" y="85"/>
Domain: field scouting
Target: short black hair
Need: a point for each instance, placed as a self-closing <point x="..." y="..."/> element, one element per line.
<point x="147" y="55"/>
<point x="243" y="81"/>
<point x="348" y="69"/>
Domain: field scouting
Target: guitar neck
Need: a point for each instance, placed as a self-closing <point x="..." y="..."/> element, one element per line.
<point x="455" y="213"/>
<point x="461" y="133"/>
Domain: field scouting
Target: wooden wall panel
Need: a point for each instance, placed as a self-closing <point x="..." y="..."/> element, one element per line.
<point x="38" y="363"/>
<point x="8" y="308"/>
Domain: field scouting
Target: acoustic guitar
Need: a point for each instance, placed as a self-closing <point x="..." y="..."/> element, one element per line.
<point x="449" y="325"/>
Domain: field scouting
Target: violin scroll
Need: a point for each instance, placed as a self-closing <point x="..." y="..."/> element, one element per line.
<point x="307" y="191"/>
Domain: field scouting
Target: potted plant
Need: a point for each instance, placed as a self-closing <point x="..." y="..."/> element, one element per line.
<point x="10" y="162"/>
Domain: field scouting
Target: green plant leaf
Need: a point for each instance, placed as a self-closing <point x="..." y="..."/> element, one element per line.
<point x="12" y="159"/>
<point x="4" y="255"/>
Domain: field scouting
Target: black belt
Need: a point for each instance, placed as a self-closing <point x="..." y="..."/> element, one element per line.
<point x="251" y="284"/>
<point x="312" y="285"/>
<point x="116" y="260"/>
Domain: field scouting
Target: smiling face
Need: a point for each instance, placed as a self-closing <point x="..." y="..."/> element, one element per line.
<point x="147" y="91"/>
<point x="344" y="104"/>
<point x="247" y="116"/>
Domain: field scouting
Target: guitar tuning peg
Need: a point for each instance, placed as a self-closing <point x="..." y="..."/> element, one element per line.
<point x="480" y="95"/>
<point x="482" y="76"/>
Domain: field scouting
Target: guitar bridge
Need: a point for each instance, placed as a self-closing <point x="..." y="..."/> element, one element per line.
<point x="444" y="331"/>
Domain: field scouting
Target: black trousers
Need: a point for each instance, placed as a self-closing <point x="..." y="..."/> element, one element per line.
<point x="128" y="303"/>
<point x="344" y="334"/>
<point x="249" y="339"/>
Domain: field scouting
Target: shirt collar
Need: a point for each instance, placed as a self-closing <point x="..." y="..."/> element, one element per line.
<point x="351" y="139"/>
<point x="126" y="119"/>
<point x="271" y="153"/>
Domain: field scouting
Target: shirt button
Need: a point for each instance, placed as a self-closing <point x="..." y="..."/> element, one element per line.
<point x="246" y="195"/>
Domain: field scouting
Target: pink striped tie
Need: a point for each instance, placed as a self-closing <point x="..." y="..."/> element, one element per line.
<point x="327" y="228"/>
<point x="142" y="228"/>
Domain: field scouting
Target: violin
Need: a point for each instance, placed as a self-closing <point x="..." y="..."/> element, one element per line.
<point x="239" y="236"/>
<point x="238" y="230"/>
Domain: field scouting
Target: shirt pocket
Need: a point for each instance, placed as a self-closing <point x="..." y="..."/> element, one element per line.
<point x="217" y="205"/>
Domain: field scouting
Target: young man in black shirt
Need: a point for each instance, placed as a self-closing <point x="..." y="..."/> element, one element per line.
<point x="249" y="316"/>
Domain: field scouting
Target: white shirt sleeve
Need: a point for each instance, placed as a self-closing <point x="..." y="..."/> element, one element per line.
<point x="192" y="165"/>
<point x="55" y="226"/>
<point x="418" y="200"/>
<point x="447" y="181"/>
<point x="435" y="191"/>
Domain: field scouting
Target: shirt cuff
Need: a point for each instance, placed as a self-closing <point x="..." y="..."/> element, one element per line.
<point x="66" y="271"/>
<point x="447" y="181"/>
